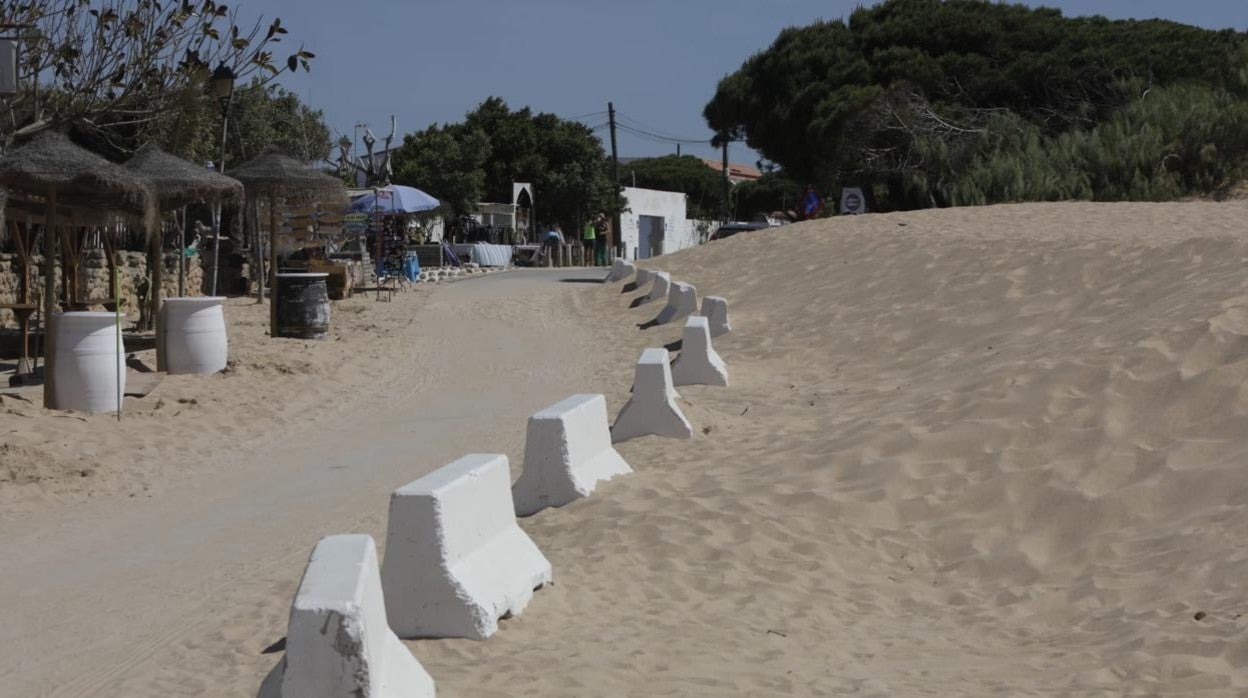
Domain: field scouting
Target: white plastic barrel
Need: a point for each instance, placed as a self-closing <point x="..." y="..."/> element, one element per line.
<point x="88" y="363"/>
<point x="195" y="340"/>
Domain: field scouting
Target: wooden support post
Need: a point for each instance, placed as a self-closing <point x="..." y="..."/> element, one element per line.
<point x="272" y="265"/>
<point x="216" y="235"/>
<point x="23" y="240"/>
<point x="110" y="259"/>
<point x="49" y="302"/>
<point x="68" y="288"/>
<point x="156" y="268"/>
<point x="181" y="223"/>
<point x="257" y="256"/>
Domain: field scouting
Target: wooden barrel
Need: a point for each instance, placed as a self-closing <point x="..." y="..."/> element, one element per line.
<point x="302" y="305"/>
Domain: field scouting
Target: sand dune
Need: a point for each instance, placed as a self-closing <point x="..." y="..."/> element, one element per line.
<point x="965" y="452"/>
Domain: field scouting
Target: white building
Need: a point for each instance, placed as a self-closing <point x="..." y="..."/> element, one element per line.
<point x="655" y="222"/>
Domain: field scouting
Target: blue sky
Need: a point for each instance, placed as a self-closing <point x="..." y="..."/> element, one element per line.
<point x="658" y="60"/>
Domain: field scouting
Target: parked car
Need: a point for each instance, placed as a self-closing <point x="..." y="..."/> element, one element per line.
<point x="727" y="230"/>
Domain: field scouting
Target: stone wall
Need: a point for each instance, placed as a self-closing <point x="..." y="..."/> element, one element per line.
<point x="93" y="279"/>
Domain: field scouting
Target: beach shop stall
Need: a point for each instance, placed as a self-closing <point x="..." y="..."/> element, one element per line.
<point x="391" y="210"/>
<point x="60" y="193"/>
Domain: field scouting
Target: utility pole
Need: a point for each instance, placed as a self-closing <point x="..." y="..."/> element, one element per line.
<point x="616" y="239"/>
<point x="677" y="150"/>
<point x="727" y="182"/>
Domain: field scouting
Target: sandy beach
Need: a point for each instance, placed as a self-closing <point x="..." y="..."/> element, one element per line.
<point x="969" y="451"/>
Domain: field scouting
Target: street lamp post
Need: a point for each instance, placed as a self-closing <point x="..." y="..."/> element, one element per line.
<point x="355" y="146"/>
<point x="223" y="89"/>
<point x="344" y="155"/>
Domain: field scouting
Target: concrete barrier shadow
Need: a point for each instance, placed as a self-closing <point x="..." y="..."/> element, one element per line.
<point x="644" y="276"/>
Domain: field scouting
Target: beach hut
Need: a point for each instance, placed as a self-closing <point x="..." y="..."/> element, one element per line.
<point x="273" y="176"/>
<point x="178" y="183"/>
<point x="52" y="179"/>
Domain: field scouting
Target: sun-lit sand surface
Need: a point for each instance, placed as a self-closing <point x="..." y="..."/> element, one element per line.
<point x="964" y="452"/>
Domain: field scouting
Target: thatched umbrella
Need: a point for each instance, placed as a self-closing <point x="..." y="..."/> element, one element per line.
<point x="50" y="171"/>
<point x="273" y="175"/>
<point x="179" y="183"/>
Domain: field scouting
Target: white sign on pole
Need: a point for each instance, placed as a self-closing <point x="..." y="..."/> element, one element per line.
<point x="852" y="201"/>
<point x="8" y="67"/>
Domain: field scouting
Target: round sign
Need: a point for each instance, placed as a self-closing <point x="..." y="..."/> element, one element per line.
<point x="852" y="201"/>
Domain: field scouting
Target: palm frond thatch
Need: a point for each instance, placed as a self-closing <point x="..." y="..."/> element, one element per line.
<point x="81" y="179"/>
<point x="275" y="174"/>
<point x="179" y="182"/>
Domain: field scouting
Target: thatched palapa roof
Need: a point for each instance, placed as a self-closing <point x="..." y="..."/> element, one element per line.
<point x="82" y="180"/>
<point x="275" y="174"/>
<point x="179" y="182"/>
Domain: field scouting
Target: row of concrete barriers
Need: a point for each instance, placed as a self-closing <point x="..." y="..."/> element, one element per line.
<point x="456" y="561"/>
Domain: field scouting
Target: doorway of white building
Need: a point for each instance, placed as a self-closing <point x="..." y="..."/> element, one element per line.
<point x="649" y="236"/>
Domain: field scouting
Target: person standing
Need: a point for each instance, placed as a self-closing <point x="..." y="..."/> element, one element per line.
<point x="554" y="238"/>
<point x="600" y="243"/>
<point x="589" y="238"/>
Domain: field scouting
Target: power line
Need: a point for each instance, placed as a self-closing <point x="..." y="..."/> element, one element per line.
<point x="586" y="117"/>
<point x="661" y="138"/>
<point x="639" y="128"/>
<point x="656" y="132"/>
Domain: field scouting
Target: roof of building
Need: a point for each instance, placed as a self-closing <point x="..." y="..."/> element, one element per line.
<point x="736" y="171"/>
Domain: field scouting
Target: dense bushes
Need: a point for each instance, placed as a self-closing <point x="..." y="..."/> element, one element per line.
<point x="1170" y="142"/>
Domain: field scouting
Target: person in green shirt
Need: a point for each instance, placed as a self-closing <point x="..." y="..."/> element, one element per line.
<point x="589" y="239"/>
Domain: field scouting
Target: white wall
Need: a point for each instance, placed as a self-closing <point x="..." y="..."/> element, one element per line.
<point x="678" y="232"/>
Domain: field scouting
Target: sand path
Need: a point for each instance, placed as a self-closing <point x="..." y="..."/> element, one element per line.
<point x="101" y="599"/>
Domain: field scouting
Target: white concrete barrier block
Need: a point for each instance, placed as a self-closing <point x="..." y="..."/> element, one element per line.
<point x="698" y="364"/>
<point x="682" y="301"/>
<point x="456" y="561"/>
<point x="715" y="310"/>
<point x="644" y="276"/>
<point x="621" y="269"/>
<point x="652" y="408"/>
<point x="662" y="286"/>
<point x="338" y="644"/>
<point x="567" y="452"/>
